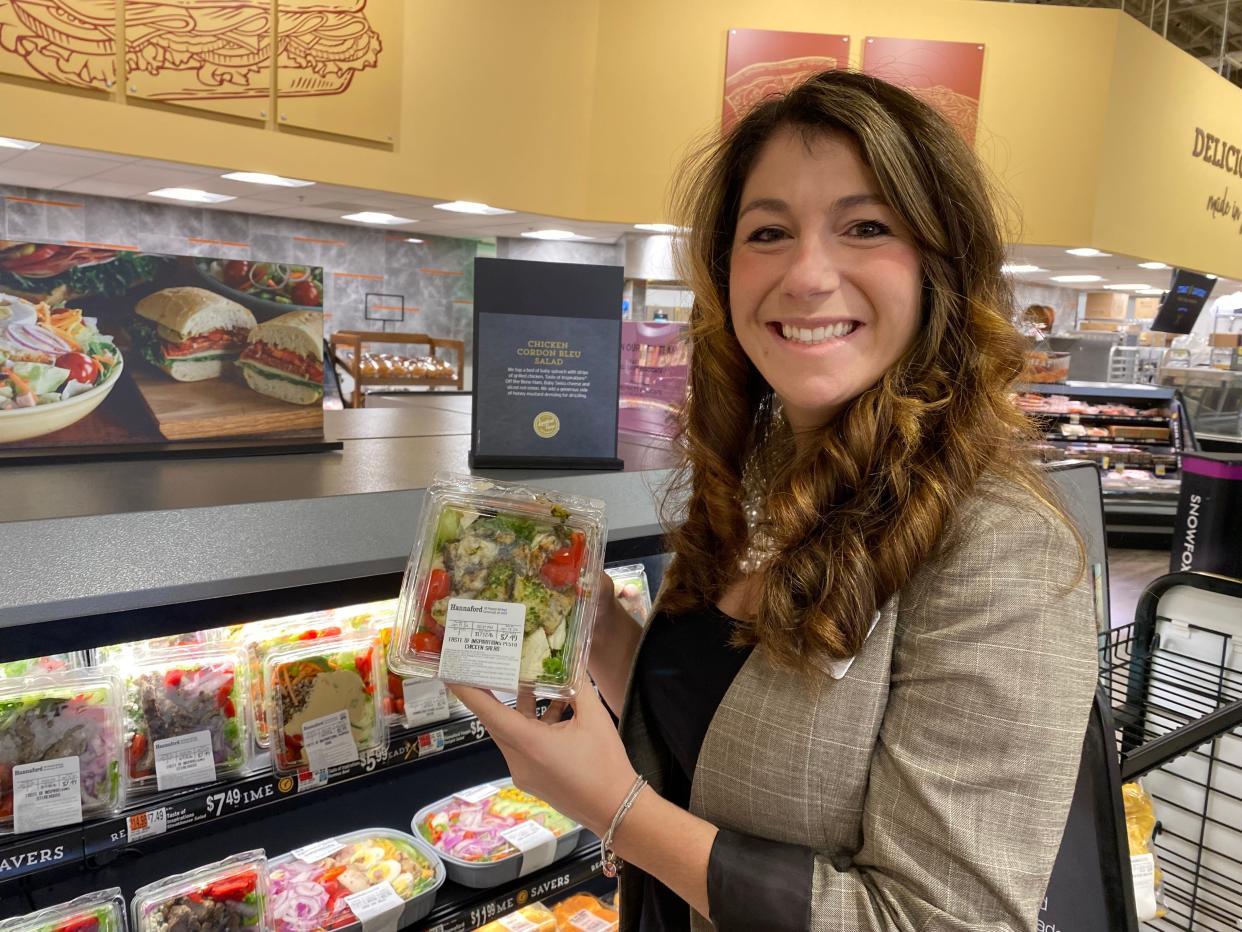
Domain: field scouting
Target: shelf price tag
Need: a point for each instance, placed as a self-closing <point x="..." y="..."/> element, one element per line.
<point x="537" y="844"/>
<point x="426" y="702"/>
<point x="329" y="742"/>
<point x="378" y="908"/>
<point x="483" y="643"/>
<point x="146" y="824"/>
<point x="47" y="794"/>
<point x="185" y="760"/>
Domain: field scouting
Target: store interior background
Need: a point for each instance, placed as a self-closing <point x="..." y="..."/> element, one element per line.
<point x="568" y="118"/>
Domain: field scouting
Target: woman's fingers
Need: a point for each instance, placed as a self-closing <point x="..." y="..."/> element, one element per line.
<point x="504" y="723"/>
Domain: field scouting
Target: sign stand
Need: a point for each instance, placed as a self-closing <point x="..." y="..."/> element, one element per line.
<point x="547" y="357"/>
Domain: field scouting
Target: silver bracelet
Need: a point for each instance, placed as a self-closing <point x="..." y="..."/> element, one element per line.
<point x="612" y="863"/>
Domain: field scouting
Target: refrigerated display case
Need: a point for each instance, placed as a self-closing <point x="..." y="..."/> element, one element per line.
<point x="1136" y="434"/>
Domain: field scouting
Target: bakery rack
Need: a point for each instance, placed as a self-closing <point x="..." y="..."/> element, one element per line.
<point x="1174" y="682"/>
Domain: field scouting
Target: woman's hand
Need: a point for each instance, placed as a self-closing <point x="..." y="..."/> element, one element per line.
<point x="578" y="766"/>
<point x="613" y="644"/>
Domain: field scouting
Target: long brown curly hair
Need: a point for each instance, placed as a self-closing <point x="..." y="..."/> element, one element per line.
<point x="854" y="513"/>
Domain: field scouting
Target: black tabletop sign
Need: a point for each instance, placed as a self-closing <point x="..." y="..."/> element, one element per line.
<point x="1183" y="302"/>
<point x="547" y="356"/>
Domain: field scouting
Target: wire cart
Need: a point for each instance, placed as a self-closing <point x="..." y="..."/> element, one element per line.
<point x="1173" y="680"/>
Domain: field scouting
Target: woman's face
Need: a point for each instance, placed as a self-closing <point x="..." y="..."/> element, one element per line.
<point x="824" y="282"/>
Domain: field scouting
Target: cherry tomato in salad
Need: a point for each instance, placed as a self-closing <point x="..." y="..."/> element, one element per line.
<point x="362" y="664"/>
<point x="172" y="678"/>
<point x="307" y="293"/>
<point x="236" y="272"/>
<point x="439" y="586"/>
<point x="426" y="643"/>
<point x="559" y="575"/>
<point x="137" y="749"/>
<point x="234" y="888"/>
<point x="83" y="924"/>
<point x="81" y="367"/>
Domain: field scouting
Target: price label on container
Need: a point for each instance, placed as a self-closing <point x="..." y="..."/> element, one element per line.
<point x="537" y="844"/>
<point x="586" y="921"/>
<point x="47" y="794"/>
<point x="518" y="923"/>
<point x="185" y="760"/>
<point x="378" y="908"/>
<point x="313" y="854"/>
<point x="426" y="702"/>
<point x="483" y="643"/>
<point x="329" y="742"/>
<point x="476" y="794"/>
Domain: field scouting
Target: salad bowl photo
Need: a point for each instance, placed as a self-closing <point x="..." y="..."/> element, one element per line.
<point x="27" y="423"/>
<point x="267" y="288"/>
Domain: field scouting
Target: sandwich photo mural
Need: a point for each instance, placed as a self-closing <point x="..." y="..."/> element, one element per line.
<point x="946" y="75"/>
<point x="105" y="346"/>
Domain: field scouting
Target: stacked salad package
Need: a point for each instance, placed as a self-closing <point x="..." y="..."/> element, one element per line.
<point x="311" y="886"/>
<point x="102" y="911"/>
<point x="324" y="701"/>
<point x="185" y="717"/>
<point x="493" y="833"/>
<point x="228" y="896"/>
<point x="500" y="588"/>
<point x="60" y="749"/>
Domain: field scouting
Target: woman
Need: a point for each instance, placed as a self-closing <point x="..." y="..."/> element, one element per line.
<point x="861" y="702"/>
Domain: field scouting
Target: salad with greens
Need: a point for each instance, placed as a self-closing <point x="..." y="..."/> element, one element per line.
<point x="50" y="355"/>
<point x="74" y="714"/>
<point x="227" y="896"/>
<point x="101" y="911"/>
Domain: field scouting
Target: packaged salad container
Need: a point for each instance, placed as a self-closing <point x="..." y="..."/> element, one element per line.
<point x="262" y="637"/>
<point x="102" y="911"/>
<point x="533" y="917"/>
<point x="629" y="584"/>
<point x="325" y="701"/>
<point x="185" y="717"/>
<point x="533" y="554"/>
<point x="309" y="885"/>
<point x="116" y="653"/>
<point x="69" y="722"/>
<point x="227" y="895"/>
<point x="494" y="833"/>
<point x="581" y="912"/>
<point x="53" y="663"/>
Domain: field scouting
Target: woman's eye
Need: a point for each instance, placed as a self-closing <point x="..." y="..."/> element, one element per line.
<point x="766" y="235"/>
<point x="870" y="229"/>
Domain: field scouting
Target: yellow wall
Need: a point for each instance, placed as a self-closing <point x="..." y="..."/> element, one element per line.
<point x="582" y="108"/>
<point x="1152" y="193"/>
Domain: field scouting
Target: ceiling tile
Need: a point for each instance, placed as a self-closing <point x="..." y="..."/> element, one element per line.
<point x="30" y="179"/>
<point x="151" y="178"/>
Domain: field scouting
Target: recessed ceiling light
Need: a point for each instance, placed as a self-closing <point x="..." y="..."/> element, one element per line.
<point x="1020" y="269"/>
<point x="412" y="239"/>
<point x="1087" y="252"/>
<point x="553" y="234"/>
<point x="376" y="216"/>
<point x="278" y="181"/>
<point x="659" y="227"/>
<point x="1072" y="279"/>
<point x="193" y="195"/>
<point x="1154" y="266"/>
<point x="471" y="207"/>
<point x="8" y="143"/>
<point x="1211" y="276"/>
<point x="1133" y="287"/>
<point x="1151" y="291"/>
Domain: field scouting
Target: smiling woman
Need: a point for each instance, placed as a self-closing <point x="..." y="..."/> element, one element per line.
<point x="876" y="617"/>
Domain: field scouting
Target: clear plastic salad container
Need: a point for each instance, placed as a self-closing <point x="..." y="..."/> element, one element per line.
<point x="533" y="917"/>
<point x="582" y="912"/>
<point x="468" y="831"/>
<point x="226" y="895"/>
<point x="73" y="716"/>
<point x="485" y="541"/>
<point x="116" y="653"/>
<point x="262" y="637"/>
<point x="197" y="695"/>
<point x="309" y="885"/>
<point x="53" y="663"/>
<point x="101" y="911"/>
<point x="325" y="701"/>
<point x="630" y="586"/>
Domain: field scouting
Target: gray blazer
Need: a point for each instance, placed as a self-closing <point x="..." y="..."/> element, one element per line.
<point x="932" y="780"/>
